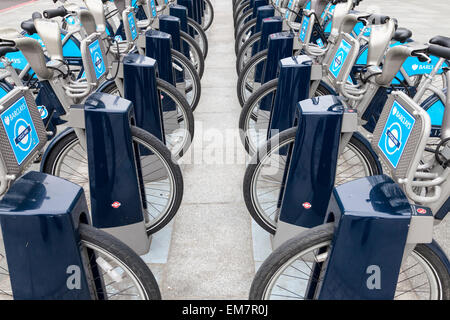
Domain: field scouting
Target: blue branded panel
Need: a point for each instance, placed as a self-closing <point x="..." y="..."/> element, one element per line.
<point x="291" y="2"/>
<point x="97" y="59"/>
<point x="20" y="130"/>
<point x="304" y="28"/>
<point x="339" y="58"/>
<point x="132" y="23"/>
<point x="320" y="43"/>
<point x="153" y="7"/>
<point x="396" y="133"/>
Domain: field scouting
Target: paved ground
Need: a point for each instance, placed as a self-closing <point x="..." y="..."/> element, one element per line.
<point x="5" y="4"/>
<point x="212" y="248"/>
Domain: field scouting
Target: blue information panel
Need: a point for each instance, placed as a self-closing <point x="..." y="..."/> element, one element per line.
<point x="132" y="23"/>
<point x="153" y="7"/>
<point x="339" y="58"/>
<point x="304" y="28"/>
<point x="286" y="16"/>
<point x="20" y="130"/>
<point x="97" y="59"/>
<point x="396" y="133"/>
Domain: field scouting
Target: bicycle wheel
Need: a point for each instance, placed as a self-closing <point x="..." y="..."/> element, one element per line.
<point x="263" y="179"/>
<point x="238" y="5"/>
<point x="287" y="272"/>
<point x="245" y="53"/>
<point x="254" y="122"/>
<point x="114" y="271"/>
<point x="192" y="85"/>
<point x="241" y="16"/>
<point x="178" y="124"/>
<point x="162" y="180"/>
<point x="244" y="33"/>
<point x="199" y="36"/>
<point x="250" y="78"/>
<point x="208" y="16"/>
<point x="195" y="52"/>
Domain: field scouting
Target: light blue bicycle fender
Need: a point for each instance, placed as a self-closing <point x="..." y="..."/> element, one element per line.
<point x="71" y="51"/>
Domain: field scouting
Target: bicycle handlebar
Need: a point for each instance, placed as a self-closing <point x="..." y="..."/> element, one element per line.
<point x="58" y="12"/>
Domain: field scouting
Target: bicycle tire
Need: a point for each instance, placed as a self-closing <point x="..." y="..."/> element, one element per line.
<point x="57" y="152"/>
<point x="128" y="258"/>
<point x="181" y="102"/>
<point x="243" y="31"/>
<point x="208" y="23"/>
<point x="285" y="138"/>
<point x="200" y="65"/>
<point x="321" y="235"/>
<point x="187" y="66"/>
<point x="253" y="40"/>
<point x="260" y="57"/>
<point x="247" y="111"/>
<point x="201" y="33"/>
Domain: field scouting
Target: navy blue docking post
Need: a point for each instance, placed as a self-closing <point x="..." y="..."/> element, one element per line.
<point x="39" y="216"/>
<point x="140" y="88"/>
<point x="269" y="26"/>
<point x="112" y="165"/>
<point x="293" y="86"/>
<point x="304" y="199"/>
<point x="262" y="13"/>
<point x="182" y="13"/>
<point x="281" y="46"/>
<point x="189" y="6"/>
<point x="197" y="11"/>
<point x="372" y="217"/>
<point x="158" y="46"/>
<point x="256" y="5"/>
<point x="172" y="26"/>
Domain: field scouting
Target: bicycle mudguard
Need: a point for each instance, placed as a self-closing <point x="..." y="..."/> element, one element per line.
<point x="435" y="109"/>
<point x="4" y="89"/>
<point x="103" y="85"/>
<point x="436" y="248"/>
<point x="52" y="144"/>
<point x="360" y="137"/>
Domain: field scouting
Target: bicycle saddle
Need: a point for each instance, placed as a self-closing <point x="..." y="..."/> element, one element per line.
<point x="402" y="34"/>
<point x="441" y="41"/>
<point x="6" y="50"/>
<point x="28" y="26"/>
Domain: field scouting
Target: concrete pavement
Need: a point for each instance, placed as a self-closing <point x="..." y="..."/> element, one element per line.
<point x="212" y="248"/>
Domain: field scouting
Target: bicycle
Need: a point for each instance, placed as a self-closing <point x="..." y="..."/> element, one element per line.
<point x="419" y="188"/>
<point x="111" y="269"/>
<point x="263" y="189"/>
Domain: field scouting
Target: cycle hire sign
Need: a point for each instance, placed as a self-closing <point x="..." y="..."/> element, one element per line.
<point x="132" y="23"/>
<point x="396" y="133"/>
<point x="304" y="28"/>
<point x="20" y="130"/>
<point x="339" y="58"/>
<point x="97" y="59"/>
